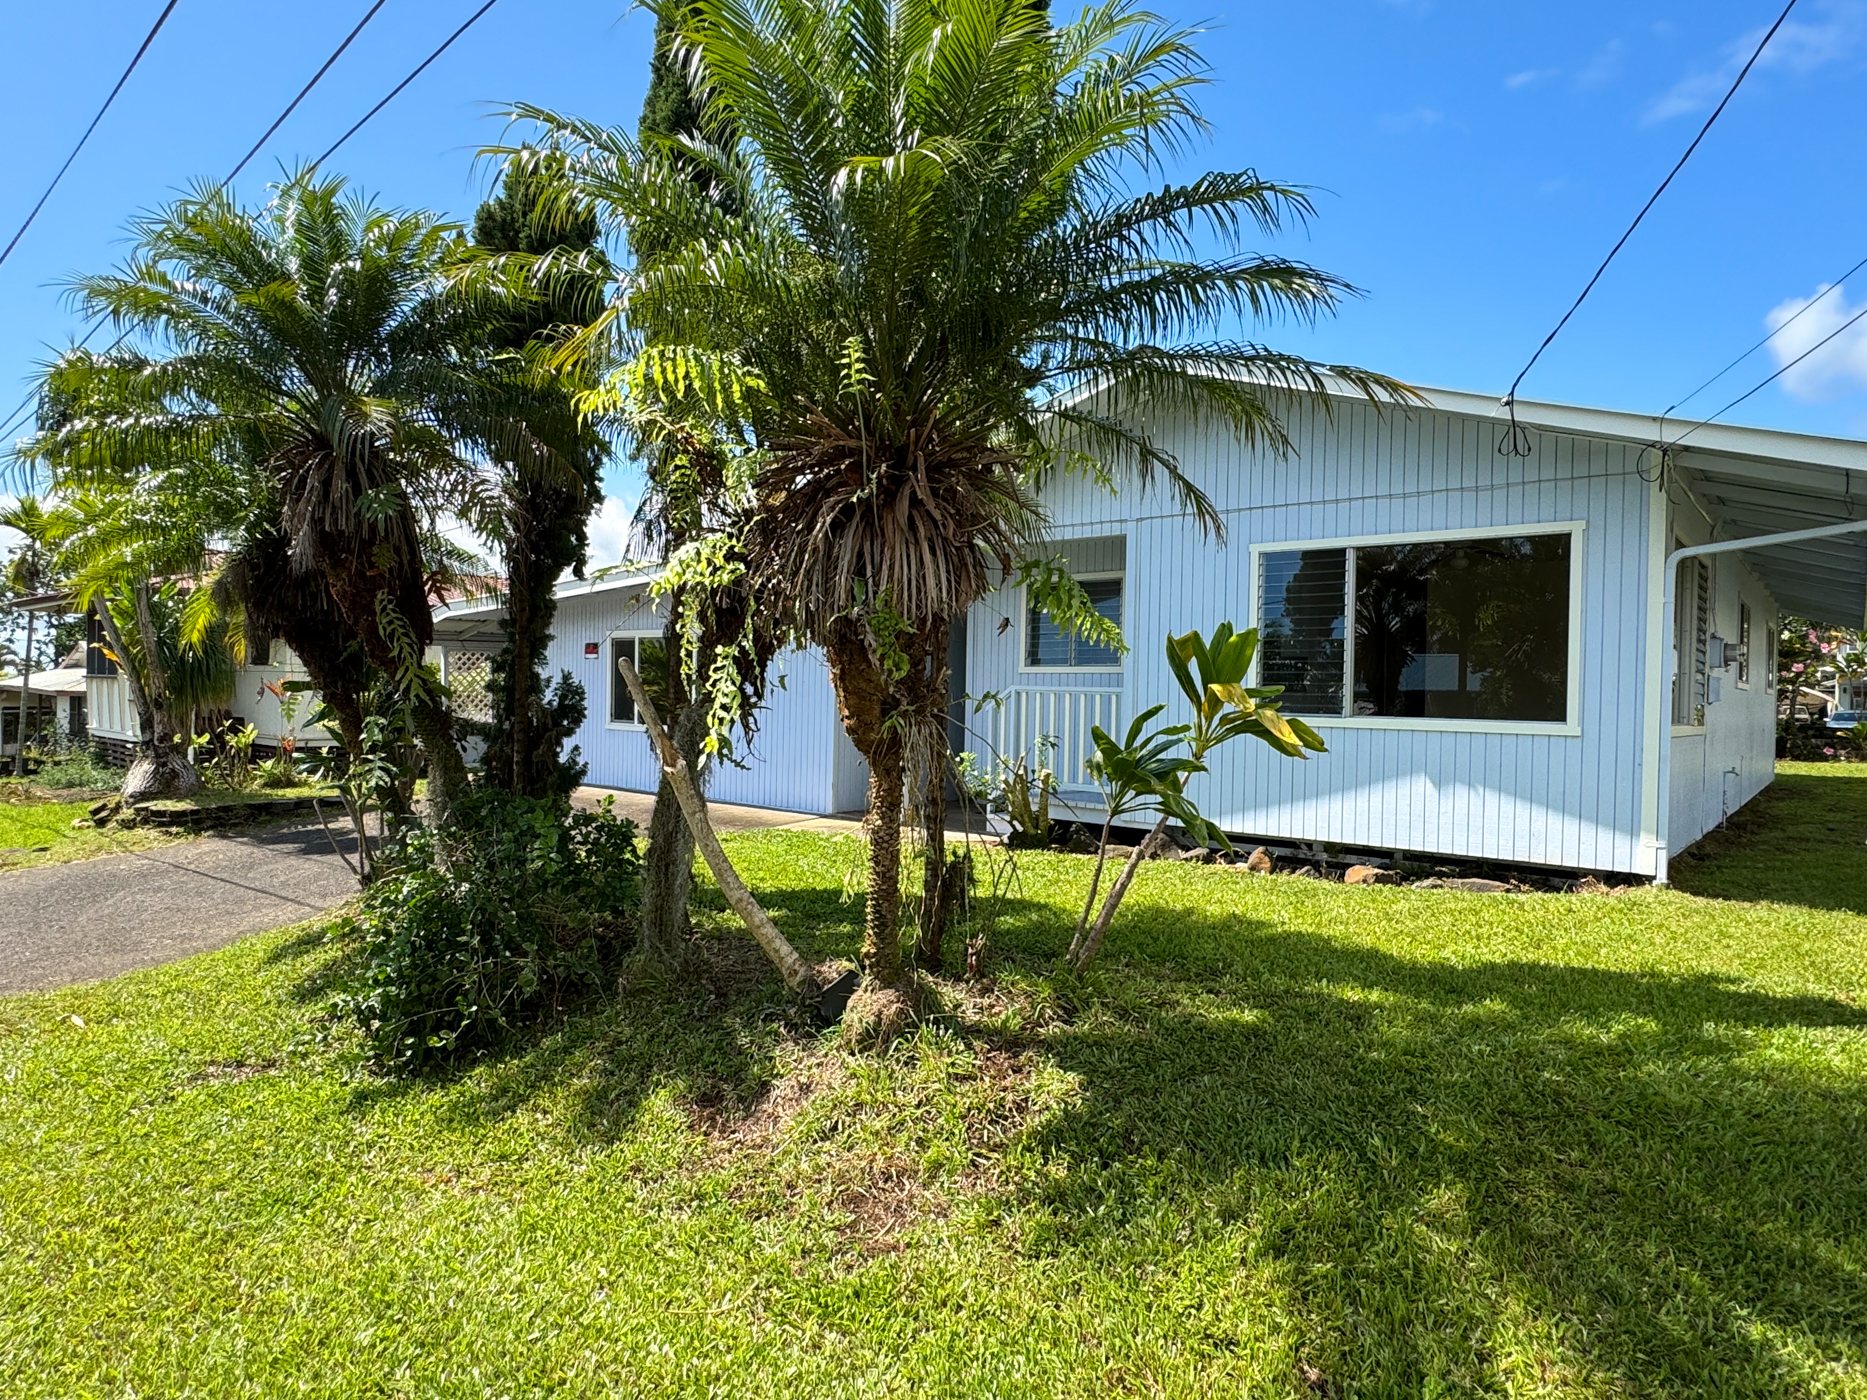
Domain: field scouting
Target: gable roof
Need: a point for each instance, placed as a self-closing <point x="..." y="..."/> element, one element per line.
<point x="1747" y="481"/>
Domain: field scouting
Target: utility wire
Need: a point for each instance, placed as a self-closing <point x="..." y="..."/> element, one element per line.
<point x="1809" y="306"/>
<point x="142" y="49"/>
<point x="303" y="92"/>
<point x="19" y="414"/>
<point x="396" y="91"/>
<point x="1516" y="443"/>
<point x="1845" y="325"/>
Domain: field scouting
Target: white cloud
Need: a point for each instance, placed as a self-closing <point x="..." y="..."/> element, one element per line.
<point x="1603" y="68"/>
<point x="1419" y="119"/>
<point x="1840" y="366"/>
<point x="1529" y="77"/>
<point x="1797" y="48"/>
<point x="611" y="529"/>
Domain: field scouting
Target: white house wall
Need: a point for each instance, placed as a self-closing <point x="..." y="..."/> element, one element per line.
<point x="800" y="760"/>
<point x="1720" y="765"/>
<point x="1569" y="800"/>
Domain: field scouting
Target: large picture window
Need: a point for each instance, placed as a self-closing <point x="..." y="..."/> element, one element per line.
<point x="1046" y="644"/>
<point x="649" y="657"/>
<point x="1452" y="629"/>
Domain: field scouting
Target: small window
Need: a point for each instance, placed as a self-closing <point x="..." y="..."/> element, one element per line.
<point x="1743" y="644"/>
<point x="1464" y="629"/>
<point x="1047" y="644"/>
<point x="649" y="657"/>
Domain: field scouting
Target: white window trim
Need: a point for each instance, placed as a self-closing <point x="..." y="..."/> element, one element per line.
<point x="1569" y="728"/>
<point x="1024" y="627"/>
<point x="609" y="699"/>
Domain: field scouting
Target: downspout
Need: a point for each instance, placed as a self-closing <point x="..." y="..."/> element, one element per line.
<point x="1669" y="656"/>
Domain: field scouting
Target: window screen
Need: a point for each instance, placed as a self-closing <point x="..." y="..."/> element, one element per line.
<point x="1047" y="644"/>
<point x="1743" y="643"/>
<point x="649" y="657"/>
<point x="1303" y="627"/>
<point x="1443" y="629"/>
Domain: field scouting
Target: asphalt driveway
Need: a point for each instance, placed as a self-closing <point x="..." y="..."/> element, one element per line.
<point x="96" y="918"/>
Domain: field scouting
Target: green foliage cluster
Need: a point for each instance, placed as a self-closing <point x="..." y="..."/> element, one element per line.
<point x="501" y="918"/>
<point x="77" y="768"/>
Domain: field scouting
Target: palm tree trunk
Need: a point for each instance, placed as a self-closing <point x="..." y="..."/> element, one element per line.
<point x="25" y="695"/>
<point x="776" y="946"/>
<point x="159" y="771"/>
<point x="447" y="770"/>
<point x="881" y="925"/>
<point x="668" y="874"/>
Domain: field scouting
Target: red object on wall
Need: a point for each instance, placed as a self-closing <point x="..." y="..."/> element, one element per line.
<point x="592" y="648"/>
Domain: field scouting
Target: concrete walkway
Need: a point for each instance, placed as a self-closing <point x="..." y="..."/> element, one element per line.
<point x="96" y="918"/>
<point x="726" y="816"/>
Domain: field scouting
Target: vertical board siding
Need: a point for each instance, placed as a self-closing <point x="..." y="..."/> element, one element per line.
<point x="791" y="761"/>
<point x="1553" y="799"/>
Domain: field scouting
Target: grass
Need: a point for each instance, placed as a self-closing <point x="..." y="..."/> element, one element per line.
<point x="30" y="819"/>
<point x="1290" y="1139"/>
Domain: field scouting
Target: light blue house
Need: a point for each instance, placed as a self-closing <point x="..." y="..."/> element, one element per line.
<point x="1486" y="641"/>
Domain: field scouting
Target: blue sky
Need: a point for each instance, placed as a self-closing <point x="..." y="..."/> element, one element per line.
<point x="1472" y="161"/>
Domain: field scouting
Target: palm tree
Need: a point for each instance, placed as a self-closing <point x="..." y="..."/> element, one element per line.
<point x="136" y="557"/>
<point x="931" y="232"/>
<point x="315" y="344"/>
<point x="544" y="509"/>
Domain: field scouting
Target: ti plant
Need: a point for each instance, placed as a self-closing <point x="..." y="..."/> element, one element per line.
<point x="1148" y="770"/>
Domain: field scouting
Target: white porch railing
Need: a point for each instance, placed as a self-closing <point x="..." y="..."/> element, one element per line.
<point x="110" y="714"/>
<point x="1065" y="717"/>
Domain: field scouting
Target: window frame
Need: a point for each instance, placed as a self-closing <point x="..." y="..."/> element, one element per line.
<point x="1746" y="629"/>
<point x="622" y="634"/>
<point x="1569" y="727"/>
<point x="1024" y="629"/>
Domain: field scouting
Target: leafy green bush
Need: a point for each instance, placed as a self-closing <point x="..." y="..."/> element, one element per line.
<point x="516" y="908"/>
<point x="77" y="768"/>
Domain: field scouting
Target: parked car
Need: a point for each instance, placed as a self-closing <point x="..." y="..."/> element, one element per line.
<point x="1846" y="719"/>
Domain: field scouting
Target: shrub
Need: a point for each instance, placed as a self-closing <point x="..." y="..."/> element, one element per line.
<point x="77" y="768"/>
<point x="517" y="907"/>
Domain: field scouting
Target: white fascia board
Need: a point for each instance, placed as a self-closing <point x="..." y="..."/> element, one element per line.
<point x="1716" y="439"/>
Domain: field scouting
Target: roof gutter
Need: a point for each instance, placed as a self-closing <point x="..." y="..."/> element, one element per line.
<point x="1662" y="719"/>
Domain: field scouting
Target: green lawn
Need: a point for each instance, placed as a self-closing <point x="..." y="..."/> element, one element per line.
<point x="1293" y="1139"/>
<point x="27" y="822"/>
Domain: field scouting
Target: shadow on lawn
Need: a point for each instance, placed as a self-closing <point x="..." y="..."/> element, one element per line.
<point x="1451" y="1168"/>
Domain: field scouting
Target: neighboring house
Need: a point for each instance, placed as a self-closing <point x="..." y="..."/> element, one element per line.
<point x="801" y="760"/>
<point x="112" y="715"/>
<point x="57" y="706"/>
<point x="1479" y="637"/>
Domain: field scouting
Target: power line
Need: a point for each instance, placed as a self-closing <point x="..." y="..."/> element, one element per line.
<point x="1807" y="307"/>
<point x="303" y="92"/>
<point x="142" y="49"/>
<point x="1845" y="325"/>
<point x="23" y="409"/>
<point x="395" y="91"/>
<point x="1515" y="445"/>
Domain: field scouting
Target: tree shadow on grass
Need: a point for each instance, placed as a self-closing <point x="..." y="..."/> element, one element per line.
<point x="1648" y="1184"/>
